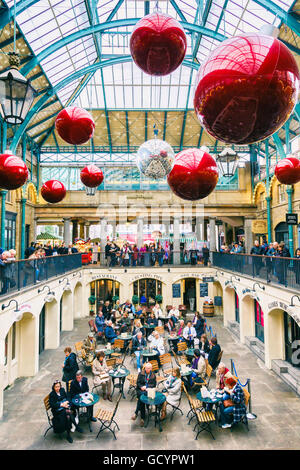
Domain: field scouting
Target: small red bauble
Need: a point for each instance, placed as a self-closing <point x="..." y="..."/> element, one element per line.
<point x="75" y="125"/>
<point x="158" y="44"/>
<point x="247" y="89"/>
<point x="287" y="170"/>
<point x="194" y="174"/>
<point x="13" y="171"/>
<point x="91" y="176"/>
<point x="53" y="191"/>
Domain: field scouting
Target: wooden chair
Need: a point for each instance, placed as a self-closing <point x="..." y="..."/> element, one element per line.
<point x="206" y="381"/>
<point x="181" y="360"/>
<point x="204" y="419"/>
<point x="79" y="350"/>
<point x="166" y="360"/>
<point x="181" y="346"/>
<point x="49" y="414"/>
<point x="118" y="346"/>
<point x="194" y="405"/>
<point x="132" y="378"/>
<point x="111" y="362"/>
<point x="106" y="418"/>
<point x="155" y="368"/>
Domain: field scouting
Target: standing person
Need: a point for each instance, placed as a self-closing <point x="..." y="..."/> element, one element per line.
<point x="107" y="253"/>
<point x="29" y="250"/>
<point x="70" y="366"/>
<point x="106" y="310"/>
<point x="257" y="250"/>
<point x="135" y="256"/>
<point x="189" y="333"/>
<point x="191" y="295"/>
<point x="205" y="254"/>
<point x="160" y="255"/>
<point x="146" y="379"/>
<point x="214" y="352"/>
<point x="138" y="344"/>
<point x="95" y="253"/>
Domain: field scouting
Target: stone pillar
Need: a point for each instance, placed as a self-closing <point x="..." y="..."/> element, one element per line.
<point x="74" y="230"/>
<point x="176" y="238"/>
<point x="81" y="230"/>
<point x="103" y="232"/>
<point x="87" y="230"/>
<point x="34" y="229"/>
<point x="22" y="237"/>
<point x="247" y="318"/>
<point x="248" y="235"/>
<point x="140" y="232"/>
<point x="2" y="238"/>
<point x="199" y="228"/>
<point x="52" y="332"/>
<point x="67" y="225"/>
<point x="114" y="230"/>
<point x="212" y="234"/>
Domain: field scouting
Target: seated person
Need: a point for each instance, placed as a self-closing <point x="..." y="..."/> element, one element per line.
<point x="174" y="314"/>
<point x="63" y="416"/>
<point x="198" y="367"/>
<point x="152" y="320"/>
<point x="100" y="324"/>
<point x="100" y="371"/>
<point x="213" y="353"/>
<point x="204" y="345"/>
<point x="157" y="311"/>
<point x="80" y="385"/>
<point x="109" y="332"/>
<point x="128" y="306"/>
<point x="221" y="375"/>
<point x="137" y="326"/>
<point x="146" y="379"/>
<point x="138" y="311"/>
<point x="180" y="328"/>
<point x="172" y="390"/>
<point x="157" y="343"/>
<point x="170" y="326"/>
<point x="89" y="345"/>
<point x="189" y="333"/>
<point x="138" y="344"/>
<point x="125" y="323"/>
<point x="233" y="406"/>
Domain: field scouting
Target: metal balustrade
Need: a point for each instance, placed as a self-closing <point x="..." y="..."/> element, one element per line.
<point x="17" y="275"/>
<point x="271" y="269"/>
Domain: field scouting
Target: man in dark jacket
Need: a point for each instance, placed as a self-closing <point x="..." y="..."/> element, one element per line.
<point x="109" y="332"/>
<point x="213" y="356"/>
<point x="138" y="344"/>
<point x="205" y="254"/>
<point x="80" y="385"/>
<point x="257" y="260"/>
<point x="146" y="379"/>
<point x="106" y="310"/>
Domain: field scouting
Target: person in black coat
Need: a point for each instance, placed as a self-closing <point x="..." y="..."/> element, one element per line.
<point x="214" y="353"/>
<point x="63" y="416"/>
<point x="204" y="344"/>
<point x="70" y="366"/>
<point x="80" y="385"/>
<point x="205" y="254"/>
<point x="146" y="379"/>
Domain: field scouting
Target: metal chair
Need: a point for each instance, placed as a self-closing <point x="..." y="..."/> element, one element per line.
<point x="106" y="418"/>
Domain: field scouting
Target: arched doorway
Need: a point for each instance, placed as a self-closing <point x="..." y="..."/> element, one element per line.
<point x="291" y="339"/>
<point x="282" y="233"/>
<point x="259" y="322"/>
<point x="147" y="290"/>
<point x="66" y="312"/>
<point x="105" y="289"/>
<point x="28" y="346"/>
<point x="189" y="293"/>
<point x="77" y="301"/>
<point x="236" y="307"/>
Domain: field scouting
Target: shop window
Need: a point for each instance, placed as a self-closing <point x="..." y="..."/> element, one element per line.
<point x="259" y="322"/>
<point x="281" y="193"/>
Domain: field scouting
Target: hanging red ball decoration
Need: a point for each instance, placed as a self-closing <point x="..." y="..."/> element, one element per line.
<point x="158" y="44"/>
<point x="194" y="174"/>
<point x="287" y="170"/>
<point x="53" y="191"/>
<point x="13" y="171"/>
<point x="75" y="125"/>
<point x="247" y="89"/>
<point x="91" y="176"/>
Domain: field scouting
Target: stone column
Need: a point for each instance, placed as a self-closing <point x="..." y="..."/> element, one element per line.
<point x="34" y="229"/>
<point x="114" y="230"/>
<point x="67" y="225"/>
<point x="103" y="232"/>
<point x="81" y="230"/>
<point x="87" y="230"/>
<point x="176" y="238"/>
<point x="74" y="230"/>
<point x="212" y="234"/>
<point x="248" y="235"/>
<point x="167" y="229"/>
<point x="140" y="232"/>
<point x="199" y="228"/>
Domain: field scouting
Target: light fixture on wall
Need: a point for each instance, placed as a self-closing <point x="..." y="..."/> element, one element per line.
<point x="237" y="278"/>
<point x="217" y="272"/>
<point x="292" y="304"/>
<point x="262" y="287"/>
<point x="50" y="294"/>
<point x="12" y="300"/>
<point x="67" y="287"/>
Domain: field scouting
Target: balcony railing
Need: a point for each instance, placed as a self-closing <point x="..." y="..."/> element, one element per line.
<point x="17" y="275"/>
<point x="272" y="269"/>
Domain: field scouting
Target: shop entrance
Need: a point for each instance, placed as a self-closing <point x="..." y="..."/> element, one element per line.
<point x="105" y="289"/>
<point x="189" y="294"/>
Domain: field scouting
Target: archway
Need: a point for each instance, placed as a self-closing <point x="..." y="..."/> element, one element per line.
<point x="282" y="233"/>
<point x="229" y="305"/>
<point x="77" y="301"/>
<point x="28" y="346"/>
<point x="52" y="330"/>
<point x="102" y="290"/>
<point x="247" y="319"/>
<point x="66" y="312"/>
<point x="274" y="336"/>
<point x="218" y="298"/>
<point x="147" y="289"/>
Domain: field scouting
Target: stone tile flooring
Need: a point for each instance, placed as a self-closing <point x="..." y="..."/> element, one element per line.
<point x="277" y="407"/>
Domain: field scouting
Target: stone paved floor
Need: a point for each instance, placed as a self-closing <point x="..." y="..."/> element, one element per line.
<point x="277" y="407"/>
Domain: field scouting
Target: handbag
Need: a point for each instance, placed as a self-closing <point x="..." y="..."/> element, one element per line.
<point x="228" y="403"/>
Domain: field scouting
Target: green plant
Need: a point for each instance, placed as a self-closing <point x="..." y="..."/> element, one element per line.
<point x="135" y="299"/>
<point x="115" y="298"/>
<point x="158" y="298"/>
<point x="92" y="299"/>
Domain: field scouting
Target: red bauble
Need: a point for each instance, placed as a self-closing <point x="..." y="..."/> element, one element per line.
<point x="13" y="171"/>
<point x="194" y="174"/>
<point x="287" y="171"/>
<point x="247" y="89"/>
<point x="158" y="44"/>
<point x="75" y="125"/>
<point x="91" y="176"/>
<point x="53" y="191"/>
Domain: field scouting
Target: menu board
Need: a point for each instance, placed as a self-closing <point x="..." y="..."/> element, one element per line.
<point x="203" y="289"/>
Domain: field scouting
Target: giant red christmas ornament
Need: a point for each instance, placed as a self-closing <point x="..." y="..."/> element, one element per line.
<point x="158" y="44"/>
<point x="91" y="176"/>
<point x="246" y="89"/>
<point x="13" y="171"/>
<point x="75" y="125"/>
<point x="194" y="174"/>
<point x="287" y="171"/>
<point x="53" y="191"/>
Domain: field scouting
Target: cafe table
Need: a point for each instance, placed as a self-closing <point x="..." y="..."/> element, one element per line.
<point x="157" y="402"/>
<point x="78" y="401"/>
<point x="216" y="400"/>
<point x="121" y="376"/>
<point x="148" y="355"/>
